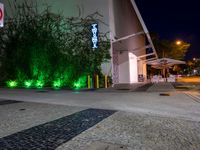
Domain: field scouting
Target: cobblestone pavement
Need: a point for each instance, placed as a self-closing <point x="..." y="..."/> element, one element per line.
<point x="161" y="87"/>
<point x="143" y="88"/>
<point x="140" y="132"/>
<point x="195" y="96"/>
<point x="176" y="105"/>
<point x="20" y="116"/>
<point x="134" y="130"/>
<point x="52" y="134"/>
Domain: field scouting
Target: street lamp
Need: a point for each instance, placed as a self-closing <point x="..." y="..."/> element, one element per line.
<point x="182" y="44"/>
<point x="178" y="42"/>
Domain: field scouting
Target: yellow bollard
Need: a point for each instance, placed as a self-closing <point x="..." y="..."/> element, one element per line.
<point x="106" y="81"/>
<point x="89" y="82"/>
<point x="97" y="81"/>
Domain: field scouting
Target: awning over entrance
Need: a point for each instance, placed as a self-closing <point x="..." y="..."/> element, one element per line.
<point x="126" y="44"/>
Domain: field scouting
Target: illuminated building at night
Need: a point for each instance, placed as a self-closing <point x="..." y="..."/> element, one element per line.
<point x="128" y="34"/>
<point x="129" y="37"/>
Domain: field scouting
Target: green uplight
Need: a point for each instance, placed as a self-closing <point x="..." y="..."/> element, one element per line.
<point x="57" y="84"/>
<point x="28" y="83"/>
<point x="77" y="85"/>
<point x="80" y="83"/>
<point x="11" y="84"/>
<point x="39" y="84"/>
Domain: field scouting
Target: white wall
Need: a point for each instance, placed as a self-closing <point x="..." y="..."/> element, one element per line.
<point x="133" y="68"/>
<point x="127" y="23"/>
<point x="71" y="8"/>
<point x="124" y="75"/>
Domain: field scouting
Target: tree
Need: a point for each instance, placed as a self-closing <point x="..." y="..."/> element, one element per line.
<point x="169" y="48"/>
<point x="47" y="48"/>
<point x="193" y="66"/>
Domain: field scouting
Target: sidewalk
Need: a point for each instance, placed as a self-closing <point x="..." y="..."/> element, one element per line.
<point x="96" y="120"/>
<point x="177" y="104"/>
<point x="161" y="87"/>
<point x="49" y="127"/>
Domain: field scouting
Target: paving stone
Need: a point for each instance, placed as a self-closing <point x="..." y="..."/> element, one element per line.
<point x="105" y="146"/>
<point x="140" y="131"/>
<point x="161" y="87"/>
<point x="143" y="88"/>
<point x="13" y="120"/>
<point x="52" y="134"/>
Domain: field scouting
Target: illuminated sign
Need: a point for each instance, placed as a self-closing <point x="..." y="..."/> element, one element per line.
<point x="94" y="28"/>
<point x="1" y="15"/>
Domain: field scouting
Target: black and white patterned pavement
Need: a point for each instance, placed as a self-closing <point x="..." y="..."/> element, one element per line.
<point x="52" y="134"/>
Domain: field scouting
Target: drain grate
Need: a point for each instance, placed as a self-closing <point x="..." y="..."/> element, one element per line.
<point x="164" y="94"/>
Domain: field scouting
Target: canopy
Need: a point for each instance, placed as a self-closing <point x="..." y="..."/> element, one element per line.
<point x="163" y="63"/>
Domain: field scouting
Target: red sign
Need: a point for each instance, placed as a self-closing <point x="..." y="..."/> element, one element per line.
<point x="1" y="14"/>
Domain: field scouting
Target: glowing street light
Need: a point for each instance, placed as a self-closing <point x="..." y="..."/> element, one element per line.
<point x="178" y="42"/>
<point x="182" y="44"/>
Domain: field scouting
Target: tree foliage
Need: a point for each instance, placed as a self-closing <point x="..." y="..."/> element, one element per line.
<point x="193" y="67"/>
<point x="44" y="46"/>
<point x="169" y="48"/>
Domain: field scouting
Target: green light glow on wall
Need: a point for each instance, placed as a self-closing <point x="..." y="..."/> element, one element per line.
<point x="54" y="51"/>
<point x="11" y="84"/>
<point x="28" y="83"/>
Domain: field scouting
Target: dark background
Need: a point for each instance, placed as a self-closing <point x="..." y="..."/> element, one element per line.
<point x="174" y="20"/>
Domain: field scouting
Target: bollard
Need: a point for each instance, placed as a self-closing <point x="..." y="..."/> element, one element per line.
<point x="97" y="81"/>
<point x="89" y="82"/>
<point x="106" y="81"/>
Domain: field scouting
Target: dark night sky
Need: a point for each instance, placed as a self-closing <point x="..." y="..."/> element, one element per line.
<point x="173" y="19"/>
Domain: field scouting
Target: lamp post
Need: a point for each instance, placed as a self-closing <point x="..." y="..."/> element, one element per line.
<point x="182" y="44"/>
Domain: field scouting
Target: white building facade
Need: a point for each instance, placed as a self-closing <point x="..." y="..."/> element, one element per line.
<point x="129" y="38"/>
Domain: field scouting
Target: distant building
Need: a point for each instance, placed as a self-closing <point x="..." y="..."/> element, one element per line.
<point x="129" y="36"/>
